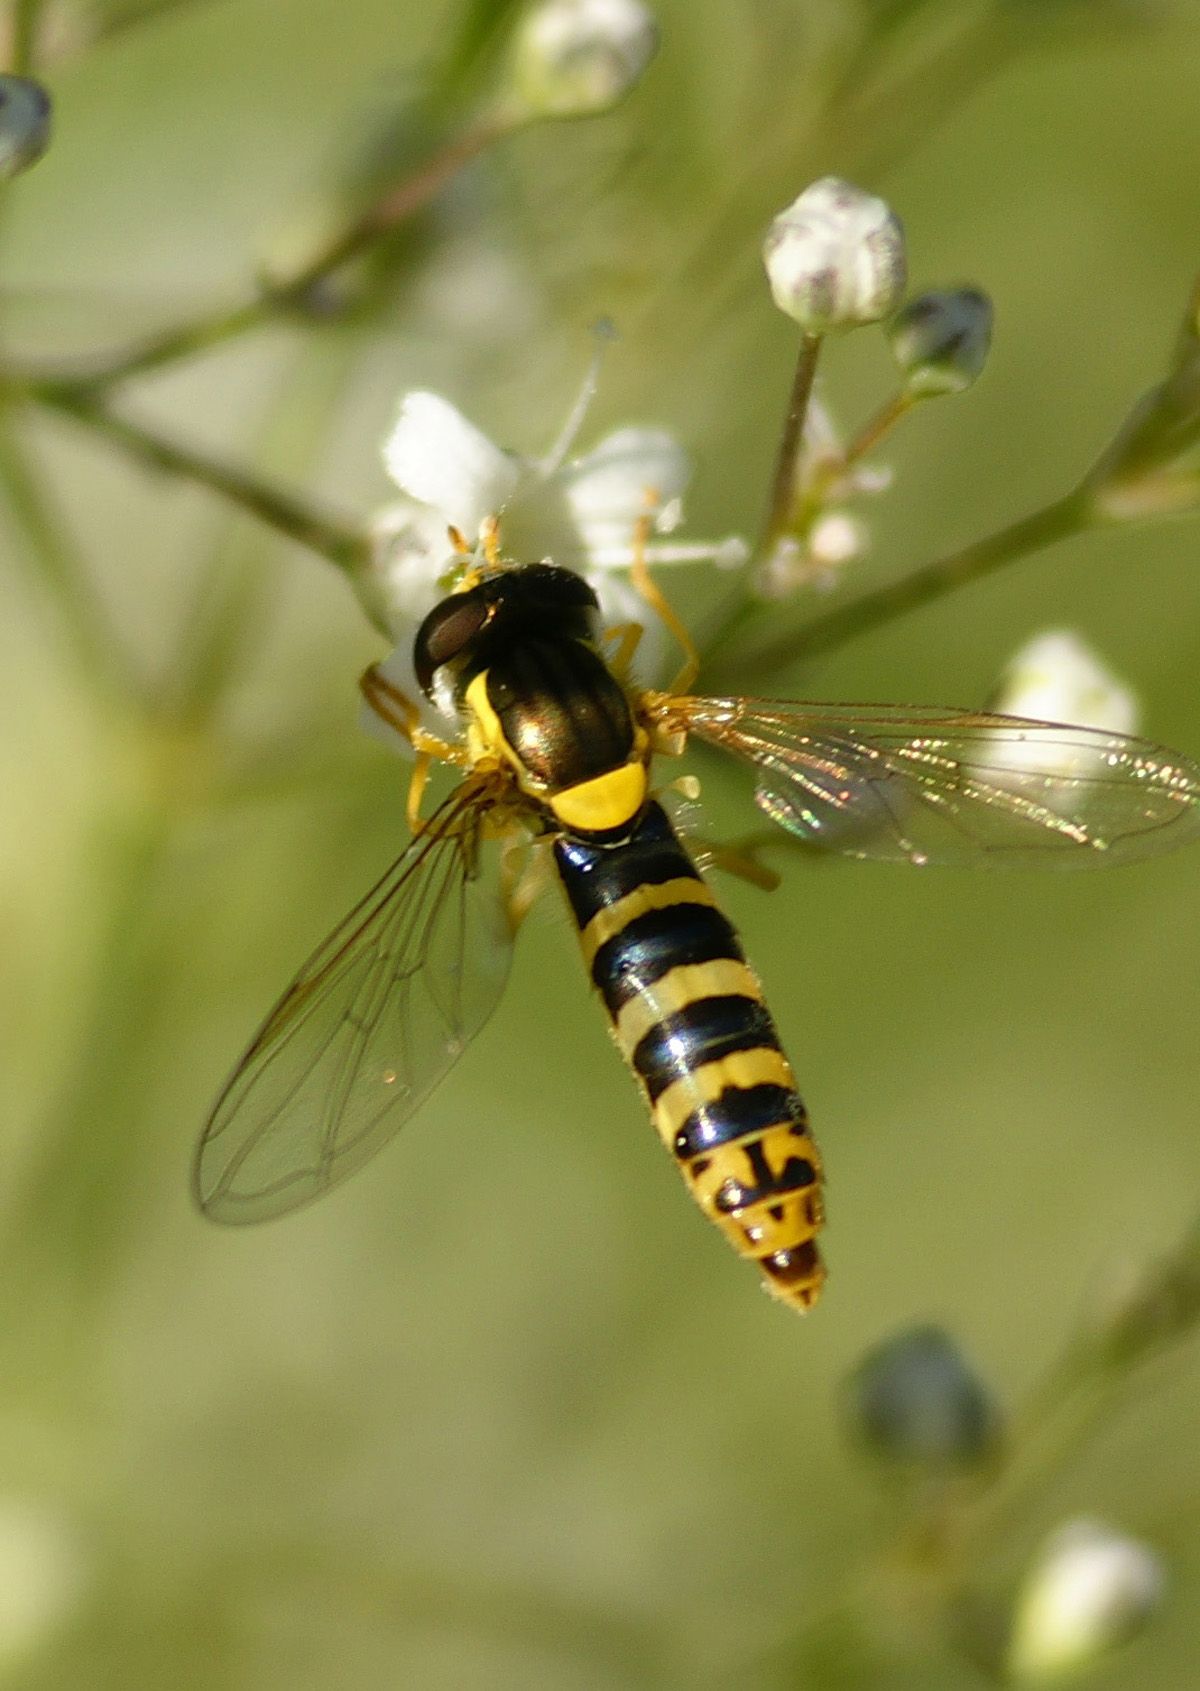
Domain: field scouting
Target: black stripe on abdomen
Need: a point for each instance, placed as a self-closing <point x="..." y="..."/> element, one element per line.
<point x="700" y="1032"/>
<point x="596" y="877"/>
<point x="650" y="945"/>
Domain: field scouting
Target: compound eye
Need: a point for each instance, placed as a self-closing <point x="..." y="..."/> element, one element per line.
<point x="446" y="633"/>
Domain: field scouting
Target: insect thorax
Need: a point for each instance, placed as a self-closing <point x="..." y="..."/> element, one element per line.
<point x="516" y="656"/>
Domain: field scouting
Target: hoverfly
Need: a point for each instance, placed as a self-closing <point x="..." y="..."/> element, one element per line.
<point x="555" y="746"/>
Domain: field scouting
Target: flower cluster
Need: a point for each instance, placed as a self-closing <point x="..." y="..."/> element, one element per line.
<point x="583" y="512"/>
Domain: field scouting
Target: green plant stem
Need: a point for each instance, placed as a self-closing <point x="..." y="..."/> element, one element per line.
<point x="874" y="429"/>
<point x="61" y="572"/>
<point x="1054" y="522"/>
<point x="341" y="544"/>
<point x="235" y="585"/>
<point x="24" y="17"/>
<point x="121" y="18"/>
<point x="787" y="464"/>
<point x="273" y="299"/>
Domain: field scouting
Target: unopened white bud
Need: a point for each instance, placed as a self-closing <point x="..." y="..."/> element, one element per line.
<point x="941" y="340"/>
<point x="836" y="538"/>
<point x="577" y="58"/>
<point x="1090" y="1589"/>
<point x="835" y="258"/>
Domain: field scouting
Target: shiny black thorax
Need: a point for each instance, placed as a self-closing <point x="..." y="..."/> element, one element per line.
<point x="531" y="630"/>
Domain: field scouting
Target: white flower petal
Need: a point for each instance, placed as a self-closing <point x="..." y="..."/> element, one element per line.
<point x="1057" y="677"/>
<point x="630" y="472"/>
<point x="435" y="455"/>
<point x="410" y="553"/>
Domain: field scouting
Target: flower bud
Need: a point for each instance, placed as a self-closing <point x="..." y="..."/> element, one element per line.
<point x="1056" y="677"/>
<point x="915" y="1400"/>
<point x="1089" y="1590"/>
<point x="941" y="340"/>
<point x="24" y="124"/>
<point x="835" y="258"/>
<point x="578" y="58"/>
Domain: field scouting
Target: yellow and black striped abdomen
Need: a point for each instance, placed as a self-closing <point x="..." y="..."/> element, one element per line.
<point x="688" y="1014"/>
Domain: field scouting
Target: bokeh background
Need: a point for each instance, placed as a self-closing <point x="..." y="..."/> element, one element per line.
<point x="505" y="1411"/>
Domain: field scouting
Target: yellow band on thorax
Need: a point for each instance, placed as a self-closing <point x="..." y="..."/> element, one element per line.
<point x="606" y="802"/>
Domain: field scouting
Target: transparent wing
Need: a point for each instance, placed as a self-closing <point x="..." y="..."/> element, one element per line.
<point x="943" y="786"/>
<point x="370" y="1024"/>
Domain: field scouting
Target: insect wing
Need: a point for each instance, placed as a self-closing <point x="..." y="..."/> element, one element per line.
<point x="942" y="786"/>
<point x="371" y="1023"/>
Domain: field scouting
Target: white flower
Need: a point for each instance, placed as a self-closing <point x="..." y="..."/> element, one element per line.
<point x="1090" y="1589"/>
<point x="581" y="513"/>
<point x="1056" y="677"/>
<point x="835" y="539"/>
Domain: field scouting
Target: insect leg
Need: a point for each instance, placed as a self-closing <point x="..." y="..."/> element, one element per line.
<point x="655" y="598"/>
<point x="738" y="857"/>
<point x="398" y="711"/>
<point x="628" y="637"/>
<point x="521" y="883"/>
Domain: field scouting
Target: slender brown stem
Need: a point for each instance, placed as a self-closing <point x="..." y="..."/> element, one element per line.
<point x="274" y="296"/>
<point x="784" y="487"/>
<point x="875" y="428"/>
<point x="394" y="207"/>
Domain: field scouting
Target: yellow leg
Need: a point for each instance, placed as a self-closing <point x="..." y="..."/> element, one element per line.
<point x="628" y="637"/>
<point x="394" y="707"/>
<point x="416" y="792"/>
<point x="740" y="858"/>
<point x="651" y="593"/>
<point x="522" y="883"/>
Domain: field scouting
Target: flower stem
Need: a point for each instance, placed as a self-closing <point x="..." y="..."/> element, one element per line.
<point x="875" y="428"/>
<point x="1056" y="521"/>
<point x="787" y="465"/>
<point x="341" y="544"/>
<point x="271" y="298"/>
<point x="23" y="28"/>
<point x="50" y="549"/>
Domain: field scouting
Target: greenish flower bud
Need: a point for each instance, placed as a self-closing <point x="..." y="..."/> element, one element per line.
<point x="578" y="58"/>
<point x="915" y="1400"/>
<point x="1089" y="1590"/>
<point x="941" y="340"/>
<point x="835" y="258"/>
<point x="24" y="124"/>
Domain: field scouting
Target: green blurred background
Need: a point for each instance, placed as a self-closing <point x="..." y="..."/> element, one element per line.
<point x="531" y="1424"/>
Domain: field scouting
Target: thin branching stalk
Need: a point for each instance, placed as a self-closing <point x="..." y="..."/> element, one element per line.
<point x="51" y="553"/>
<point x="338" y="541"/>
<point x="1054" y="522"/>
<point x="25" y="17"/>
